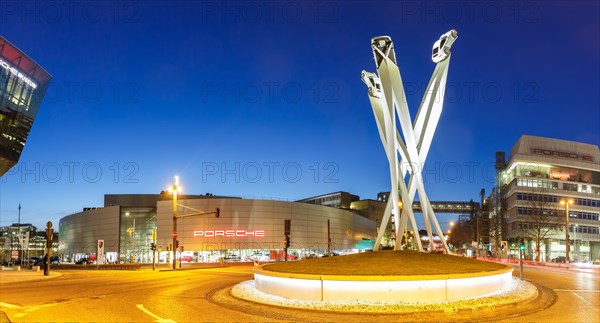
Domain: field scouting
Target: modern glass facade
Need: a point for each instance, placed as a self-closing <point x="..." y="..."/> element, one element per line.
<point x="23" y="85"/>
<point x="135" y="234"/>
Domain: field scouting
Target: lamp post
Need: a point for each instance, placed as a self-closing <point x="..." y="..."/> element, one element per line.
<point x="566" y="203"/>
<point x="174" y="189"/>
<point x="405" y="234"/>
<point x="575" y="241"/>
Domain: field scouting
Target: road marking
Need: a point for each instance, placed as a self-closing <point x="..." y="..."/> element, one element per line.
<point x="9" y="305"/>
<point x="25" y="309"/>
<point x="578" y="290"/>
<point x="573" y="291"/>
<point x="158" y="318"/>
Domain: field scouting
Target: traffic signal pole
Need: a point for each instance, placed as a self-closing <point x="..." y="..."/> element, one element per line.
<point x="174" y="190"/>
<point x="49" y="234"/>
<point x="175" y="246"/>
<point x="521" y="249"/>
<point x="521" y="264"/>
<point x="154" y="249"/>
<point x="174" y="228"/>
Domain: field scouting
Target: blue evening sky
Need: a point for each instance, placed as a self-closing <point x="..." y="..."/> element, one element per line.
<point x="264" y="99"/>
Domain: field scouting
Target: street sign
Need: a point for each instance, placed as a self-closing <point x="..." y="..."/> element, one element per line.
<point x="100" y="259"/>
<point x="14" y="254"/>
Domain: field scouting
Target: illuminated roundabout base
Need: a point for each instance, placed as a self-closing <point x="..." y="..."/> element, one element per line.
<point x="381" y="293"/>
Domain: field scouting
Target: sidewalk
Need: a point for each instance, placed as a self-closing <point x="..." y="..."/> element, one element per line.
<point x="9" y="276"/>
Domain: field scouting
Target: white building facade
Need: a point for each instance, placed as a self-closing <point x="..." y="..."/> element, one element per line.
<point x="539" y="174"/>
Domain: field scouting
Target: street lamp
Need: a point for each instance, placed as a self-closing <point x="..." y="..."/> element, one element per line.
<point x="566" y="203"/>
<point x="405" y="234"/>
<point x="174" y="189"/>
<point x="575" y="241"/>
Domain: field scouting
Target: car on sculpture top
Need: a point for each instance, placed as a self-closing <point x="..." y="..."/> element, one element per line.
<point x="373" y="83"/>
<point x="441" y="48"/>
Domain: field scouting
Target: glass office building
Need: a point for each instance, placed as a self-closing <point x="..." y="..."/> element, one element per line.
<point x="23" y="84"/>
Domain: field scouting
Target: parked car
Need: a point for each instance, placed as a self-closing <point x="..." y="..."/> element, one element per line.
<point x="187" y="258"/>
<point x="55" y="260"/>
<point x="83" y="261"/>
<point x="232" y="257"/>
<point x="561" y="259"/>
<point x="33" y="260"/>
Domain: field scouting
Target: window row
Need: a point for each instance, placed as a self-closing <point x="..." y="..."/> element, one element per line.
<point x="536" y="225"/>
<point x="584" y="229"/>
<point x="553" y="212"/>
<point x="584" y="215"/>
<point x="540" y="183"/>
<point x="556" y="199"/>
<point x="536" y="183"/>
<point x="540" y="211"/>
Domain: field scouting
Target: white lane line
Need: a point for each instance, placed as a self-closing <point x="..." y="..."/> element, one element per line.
<point x="24" y="309"/>
<point x="573" y="291"/>
<point x="583" y="299"/>
<point x="9" y="305"/>
<point x="158" y="318"/>
<point x="578" y="290"/>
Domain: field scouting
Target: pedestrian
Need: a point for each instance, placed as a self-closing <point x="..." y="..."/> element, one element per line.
<point x="46" y="264"/>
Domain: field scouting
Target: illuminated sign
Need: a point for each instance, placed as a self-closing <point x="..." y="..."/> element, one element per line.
<point x="563" y="154"/>
<point x="18" y="74"/>
<point x="229" y="233"/>
<point x="559" y="175"/>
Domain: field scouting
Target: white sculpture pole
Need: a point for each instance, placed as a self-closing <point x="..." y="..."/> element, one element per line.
<point x="388" y="99"/>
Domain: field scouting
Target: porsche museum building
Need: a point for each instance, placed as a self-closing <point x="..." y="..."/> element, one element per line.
<point x="23" y="84"/>
<point x="246" y="230"/>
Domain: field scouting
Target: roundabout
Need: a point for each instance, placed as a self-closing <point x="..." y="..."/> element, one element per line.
<point x="386" y="282"/>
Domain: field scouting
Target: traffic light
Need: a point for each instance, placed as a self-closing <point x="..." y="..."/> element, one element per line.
<point x="502" y="247"/>
<point x="217" y="212"/>
<point x="176" y="244"/>
<point x="522" y="244"/>
<point x="181" y="248"/>
<point x="153" y="246"/>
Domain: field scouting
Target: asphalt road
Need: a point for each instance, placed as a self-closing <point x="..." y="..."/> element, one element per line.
<point x="119" y="296"/>
<point x="577" y="291"/>
<point x="188" y="296"/>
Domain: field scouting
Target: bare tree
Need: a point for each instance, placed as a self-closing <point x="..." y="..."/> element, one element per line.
<point x="495" y="223"/>
<point x="539" y="220"/>
<point x="461" y="233"/>
<point x="496" y="208"/>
